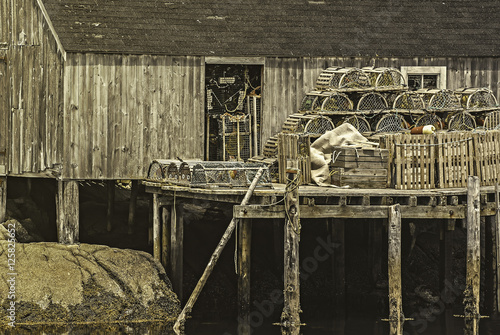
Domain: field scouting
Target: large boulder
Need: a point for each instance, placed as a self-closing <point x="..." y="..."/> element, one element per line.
<point x="84" y="283"/>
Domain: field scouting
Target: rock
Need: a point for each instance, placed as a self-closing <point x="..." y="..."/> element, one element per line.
<point x="26" y="230"/>
<point x="85" y="283"/>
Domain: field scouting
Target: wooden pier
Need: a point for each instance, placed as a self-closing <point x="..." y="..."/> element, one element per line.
<point x="305" y="202"/>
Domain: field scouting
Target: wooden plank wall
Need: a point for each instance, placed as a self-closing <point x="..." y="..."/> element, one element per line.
<point x="287" y="80"/>
<point x="31" y="102"/>
<point x="121" y="112"/>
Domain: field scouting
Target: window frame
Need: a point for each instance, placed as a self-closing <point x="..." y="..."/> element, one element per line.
<point x="440" y="71"/>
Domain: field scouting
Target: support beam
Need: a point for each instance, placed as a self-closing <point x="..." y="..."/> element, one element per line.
<point x="489" y="266"/>
<point x="111" y="205"/>
<point x="165" y="240"/>
<point x="290" y="319"/>
<point x="156" y="227"/>
<point x="132" y="206"/>
<point x="472" y="288"/>
<point x="177" y="249"/>
<point x="244" y="252"/>
<point x="68" y="210"/>
<point x="3" y="198"/>
<point x="396" y="317"/>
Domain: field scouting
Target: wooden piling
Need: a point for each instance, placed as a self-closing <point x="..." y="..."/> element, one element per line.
<point x="156" y="227"/>
<point x="497" y="246"/>
<point x="278" y="244"/>
<point x="489" y="266"/>
<point x="472" y="289"/>
<point x="165" y="240"/>
<point x="244" y="252"/>
<point x="290" y="319"/>
<point x="3" y="198"/>
<point x="177" y="249"/>
<point x="111" y="205"/>
<point x="68" y="210"/>
<point x="132" y="206"/>
<point x="396" y="317"/>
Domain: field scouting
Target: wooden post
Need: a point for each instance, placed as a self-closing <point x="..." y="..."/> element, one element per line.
<point x="471" y="294"/>
<point x="177" y="249"/>
<point x="490" y="266"/>
<point x="165" y="240"/>
<point x="3" y="198"/>
<point x="132" y="206"/>
<point x="244" y="252"/>
<point x="111" y="204"/>
<point x="156" y="227"/>
<point x="67" y="202"/>
<point x="290" y="319"/>
<point x="396" y="317"/>
<point x="278" y="244"/>
<point x="497" y="245"/>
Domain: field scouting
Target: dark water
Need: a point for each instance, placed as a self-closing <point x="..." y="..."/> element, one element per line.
<point x="352" y="326"/>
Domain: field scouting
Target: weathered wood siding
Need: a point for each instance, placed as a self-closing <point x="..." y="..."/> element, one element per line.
<point x="31" y="100"/>
<point x="121" y="112"/>
<point x="287" y="80"/>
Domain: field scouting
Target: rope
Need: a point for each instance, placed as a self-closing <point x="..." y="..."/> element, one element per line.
<point x="431" y="145"/>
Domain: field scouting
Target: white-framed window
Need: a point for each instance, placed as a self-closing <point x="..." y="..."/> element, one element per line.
<point x="418" y="77"/>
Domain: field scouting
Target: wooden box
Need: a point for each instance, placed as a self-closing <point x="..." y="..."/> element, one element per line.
<point x="359" y="178"/>
<point x="360" y="158"/>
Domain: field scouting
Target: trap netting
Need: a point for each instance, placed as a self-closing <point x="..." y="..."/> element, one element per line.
<point x="372" y="101"/>
<point x="228" y="174"/>
<point x="235" y="132"/>
<point x="384" y="77"/>
<point x="476" y="98"/>
<point x="359" y="122"/>
<point x="408" y="101"/>
<point x="315" y="124"/>
<point x="312" y="102"/>
<point x="461" y="121"/>
<point x="492" y="120"/>
<point x="441" y="99"/>
<point x="337" y="102"/>
<point x="338" y="77"/>
<point x="169" y="171"/>
<point x="430" y="119"/>
<point x="392" y="123"/>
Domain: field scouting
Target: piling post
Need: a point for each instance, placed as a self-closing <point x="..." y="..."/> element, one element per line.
<point x="396" y="317"/>
<point x="111" y="205"/>
<point x="290" y="319"/>
<point x="3" y="198"/>
<point x="177" y="249"/>
<point x="244" y="252"/>
<point x="68" y="211"/>
<point x="165" y="240"/>
<point x="471" y="294"/>
<point x="490" y="266"/>
<point x="132" y="206"/>
<point x="156" y="227"/>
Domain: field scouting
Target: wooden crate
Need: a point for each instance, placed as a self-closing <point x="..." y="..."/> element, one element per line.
<point x="294" y="153"/>
<point x="360" y="158"/>
<point x="359" y="178"/>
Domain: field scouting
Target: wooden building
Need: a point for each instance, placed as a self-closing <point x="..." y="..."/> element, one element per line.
<point x="94" y="90"/>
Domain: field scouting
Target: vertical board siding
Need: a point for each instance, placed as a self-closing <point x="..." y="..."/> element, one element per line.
<point x="121" y="112"/>
<point x="33" y="96"/>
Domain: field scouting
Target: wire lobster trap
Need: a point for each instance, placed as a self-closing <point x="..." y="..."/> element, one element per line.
<point x="372" y="101"/>
<point x="235" y="131"/>
<point x="408" y="101"/>
<point x="312" y="101"/>
<point x="392" y="123"/>
<point x="359" y="122"/>
<point x="476" y="98"/>
<point x="385" y="77"/>
<point x="492" y="120"/>
<point x="461" y="121"/>
<point x="169" y="171"/>
<point x="338" y="77"/>
<point x="440" y="99"/>
<point x="430" y="119"/>
<point x="337" y="102"/>
<point x="228" y="174"/>
<point x="315" y="124"/>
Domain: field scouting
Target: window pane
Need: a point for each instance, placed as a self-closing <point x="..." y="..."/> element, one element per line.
<point x="430" y="80"/>
<point x="414" y="81"/>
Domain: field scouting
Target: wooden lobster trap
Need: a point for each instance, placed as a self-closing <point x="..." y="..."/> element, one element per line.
<point x="228" y="174"/>
<point x="492" y="120"/>
<point x="476" y="98"/>
<point x="294" y="153"/>
<point x="409" y="101"/>
<point x="313" y="101"/>
<point x="342" y="78"/>
<point x="385" y="77"/>
<point x="235" y="131"/>
<point x="337" y="102"/>
<point x="372" y="101"/>
<point x="169" y="171"/>
<point x="440" y="99"/>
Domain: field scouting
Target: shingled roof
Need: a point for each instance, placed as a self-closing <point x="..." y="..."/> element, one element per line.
<point x="283" y="28"/>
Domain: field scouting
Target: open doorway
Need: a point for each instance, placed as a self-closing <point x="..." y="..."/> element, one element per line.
<point x="232" y="111"/>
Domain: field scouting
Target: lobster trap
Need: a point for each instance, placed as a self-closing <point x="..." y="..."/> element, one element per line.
<point x="492" y="120"/>
<point x="461" y="121"/>
<point x="372" y="101"/>
<point x="384" y="77"/>
<point x="476" y="98"/>
<point x="409" y="101"/>
<point x="437" y="99"/>
<point x="359" y="122"/>
<point x="430" y="119"/>
<point x="312" y="102"/>
<point x="315" y="124"/>
<point x="228" y="174"/>
<point x="392" y="123"/>
<point x="340" y="78"/>
<point x="236" y="136"/>
<point x="169" y="171"/>
<point x="336" y="102"/>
